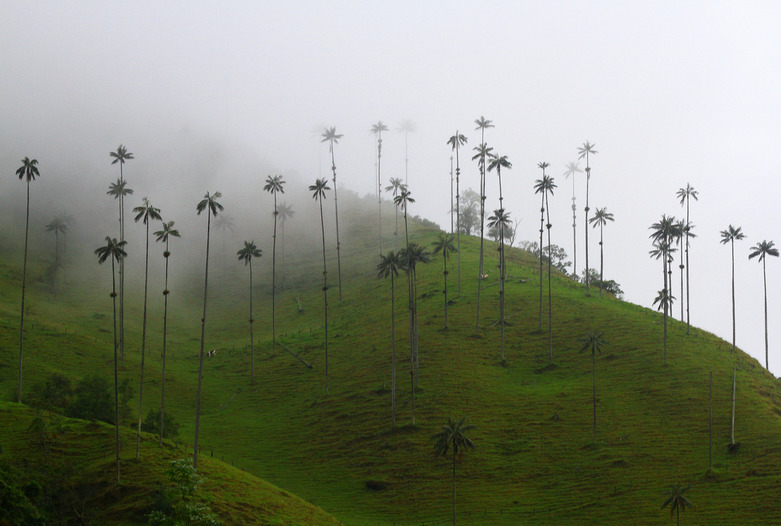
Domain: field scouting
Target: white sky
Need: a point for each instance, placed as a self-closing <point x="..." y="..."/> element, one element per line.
<point x="670" y="92"/>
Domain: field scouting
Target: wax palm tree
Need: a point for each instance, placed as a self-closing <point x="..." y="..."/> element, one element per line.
<point x="377" y="130"/>
<point x="541" y="187"/>
<point x="212" y="207"/>
<point x="410" y="257"/>
<point x="28" y="171"/>
<point x="547" y="185"/>
<point x="686" y="195"/>
<point x="584" y="151"/>
<point x="483" y="152"/>
<point x="402" y="201"/>
<point x="274" y="185"/>
<point x="246" y="254"/>
<point x="730" y="235"/>
<point x="455" y="142"/>
<point x="445" y="243"/>
<point x="571" y="169"/>
<point x="662" y="235"/>
<point x="406" y="127"/>
<point x="678" y="236"/>
<point x="58" y="226"/>
<point x="453" y="437"/>
<point x="147" y="213"/>
<point x="501" y="219"/>
<point x="762" y="250"/>
<point x="664" y="299"/>
<point x="330" y="135"/>
<point x="395" y="187"/>
<point x="677" y="501"/>
<point x="164" y="236"/>
<point x="121" y="156"/>
<point x="114" y="250"/>
<point x="284" y="213"/>
<point x="389" y="267"/>
<point x="600" y="219"/>
<point x="593" y="342"/>
<point x="498" y="162"/>
<point x="119" y="190"/>
<point x="318" y="194"/>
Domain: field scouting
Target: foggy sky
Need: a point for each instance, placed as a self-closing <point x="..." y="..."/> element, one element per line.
<point x="212" y="96"/>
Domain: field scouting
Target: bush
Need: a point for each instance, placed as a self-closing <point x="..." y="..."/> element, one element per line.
<point x="54" y="394"/>
<point x="92" y="400"/>
<point x="151" y="424"/>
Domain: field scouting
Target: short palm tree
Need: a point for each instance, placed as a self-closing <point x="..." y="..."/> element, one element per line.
<point x="593" y="342"/>
<point x="121" y="156"/>
<point x="274" y="185"/>
<point x="28" y="171"/>
<point x="246" y="254"/>
<point x="212" y="207"/>
<point x="453" y="438"/>
<point x="147" y="213"/>
<point x="762" y="250"/>
<point x="445" y="244"/>
<point x="571" y="169"/>
<point x="584" y="151"/>
<point x="730" y="235"/>
<point x="329" y="135"/>
<point x="389" y="267"/>
<point x="114" y="250"/>
<point x="396" y="186"/>
<point x="406" y="127"/>
<point x="318" y="194"/>
<point x="483" y="152"/>
<point x="664" y="299"/>
<point x="686" y="195"/>
<point x="455" y="142"/>
<point x="600" y="219"/>
<point x="377" y="130"/>
<point x="677" y="501"/>
<point x="501" y="220"/>
<point x="58" y="225"/>
<point x="164" y="236"/>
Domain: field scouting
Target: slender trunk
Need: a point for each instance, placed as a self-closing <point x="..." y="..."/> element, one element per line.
<point x="733" y="296"/>
<point x="710" y="422"/>
<point x="411" y="294"/>
<point x="732" y="426"/>
<point x="251" y="320"/>
<point x="458" y="216"/>
<point x="143" y="344"/>
<point x="393" y="352"/>
<point x="116" y="374"/>
<point x="24" y="282"/>
<point x="451" y="195"/>
<point x="482" y="228"/>
<point x="379" y="186"/>
<point x="325" y="291"/>
<point x="444" y="274"/>
<point x="203" y="337"/>
<point x="501" y="287"/>
<point x="550" y="295"/>
<point x="338" y="244"/>
<point x="601" y="260"/>
<point x="680" y="266"/>
<point x="588" y="177"/>
<point x="666" y="301"/>
<point x="574" y="233"/>
<point x="121" y="268"/>
<point x="542" y="221"/>
<point x="415" y="322"/>
<point x="454" y="486"/>
<point x="56" y="249"/>
<point x="688" y="323"/>
<point x="764" y="285"/>
<point x="594" y="396"/>
<point x="273" y="291"/>
<point x="165" y="334"/>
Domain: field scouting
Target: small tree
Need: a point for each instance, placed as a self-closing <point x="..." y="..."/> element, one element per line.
<point x="677" y="501"/>
<point x="246" y="254"/>
<point x="593" y="341"/>
<point x="444" y="244"/>
<point x="453" y="437"/>
<point x="178" y="505"/>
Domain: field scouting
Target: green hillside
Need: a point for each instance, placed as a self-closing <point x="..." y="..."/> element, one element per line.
<point x="534" y="461"/>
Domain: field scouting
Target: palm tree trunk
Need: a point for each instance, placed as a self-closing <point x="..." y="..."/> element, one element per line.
<point x="733" y="295"/>
<point x="601" y="261"/>
<point x="454" y="486"/>
<point x="411" y="294"/>
<point x="393" y="352"/>
<point x="143" y="345"/>
<point x="24" y="282"/>
<point x="444" y="274"/>
<point x="501" y="287"/>
<point x="710" y="422"/>
<point x="338" y="244"/>
<point x="666" y="302"/>
<point x="732" y="426"/>
<point x="121" y="269"/>
<point x="482" y="228"/>
<point x="165" y="334"/>
<point x="542" y="220"/>
<point x="325" y="287"/>
<point x="687" y="265"/>
<point x="451" y="195"/>
<point x="273" y="291"/>
<point x="379" y="187"/>
<point x="764" y="288"/>
<point x="550" y="296"/>
<point x="203" y="336"/>
<point x="594" y="397"/>
<point x="458" y="219"/>
<point x="251" y="320"/>
<point x="574" y="233"/>
<point x="588" y="177"/>
<point x="116" y="374"/>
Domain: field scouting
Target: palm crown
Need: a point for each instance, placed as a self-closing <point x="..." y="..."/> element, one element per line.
<point x="147" y="212"/>
<point x="762" y="249"/>
<point x="121" y="155"/>
<point x="318" y="189"/>
<point x="731" y="234"/>
<point x="329" y="135"/>
<point x="457" y="140"/>
<point x="601" y="217"/>
<point x="498" y="162"/>
<point x="684" y="193"/>
<point x="453" y="436"/>
<point x="389" y="265"/>
<point x="209" y="203"/>
<point x="545" y="184"/>
<point x="113" y="249"/>
<point x="120" y="188"/>
<point x="248" y="252"/>
<point x="28" y="170"/>
<point x="571" y="169"/>
<point x="274" y="184"/>
<point x="586" y="150"/>
<point x="378" y="128"/>
<point x="167" y="231"/>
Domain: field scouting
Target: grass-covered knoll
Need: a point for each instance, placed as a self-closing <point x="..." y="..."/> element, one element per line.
<point x="534" y="461"/>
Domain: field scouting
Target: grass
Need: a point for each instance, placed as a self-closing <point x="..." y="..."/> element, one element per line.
<point x="534" y="461"/>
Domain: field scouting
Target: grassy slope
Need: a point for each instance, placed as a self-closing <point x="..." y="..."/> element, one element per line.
<point x="534" y="460"/>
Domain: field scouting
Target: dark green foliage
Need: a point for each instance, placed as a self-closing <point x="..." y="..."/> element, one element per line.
<point x="177" y="504"/>
<point x="18" y="499"/>
<point x="54" y="394"/>
<point x="151" y="424"/>
<point x="92" y="400"/>
<point x="607" y="285"/>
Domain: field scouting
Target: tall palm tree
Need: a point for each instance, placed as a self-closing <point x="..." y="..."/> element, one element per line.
<point x="406" y="127"/>
<point x="284" y="213"/>
<point x="389" y="267"/>
<point x="318" y="194"/>
<point x="274" y="185"/>
<point x="114" y="250"/>
<point x="686" y="195"/>
<point x="679" y="236"/>
<point x="762" y="250"/>
<point x="147" y="213"/>
<point x="593" y="342"/>
<point x="28" y="171"/>
<point x="455" y="142"/>
<point x="58" y="225"/>
<point x="584" y="151"/>
<point x="410" y="257"/>
<point x="541" y="187"/>
<point x="164" y="236"/>
<point x="377" y="130"/>
<point x="498" y="162"/>
<point x="483" y="152"/>
<point x="600" y="219"/>
<point x="730" y="235"/>
<point x="403" y="200"/>
<point x="547" y="185"/>
<point x="330" y="135"/>
<point x="677" y="501"/>
<point x="396" y="186"/>
<point x="662" y="235"/>
<point x="571" y="169"/>
<point x="212" y="207"/>
<point x="119" y="190"/>
<point x="445" y="243"/>
<point x="246" y="254"/>
<point x="501" y="219"/>
<point x="453" y="437"/>
<point x="121" y="156"/>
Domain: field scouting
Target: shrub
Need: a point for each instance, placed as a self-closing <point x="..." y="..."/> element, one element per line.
<point x="151" y="424"/>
